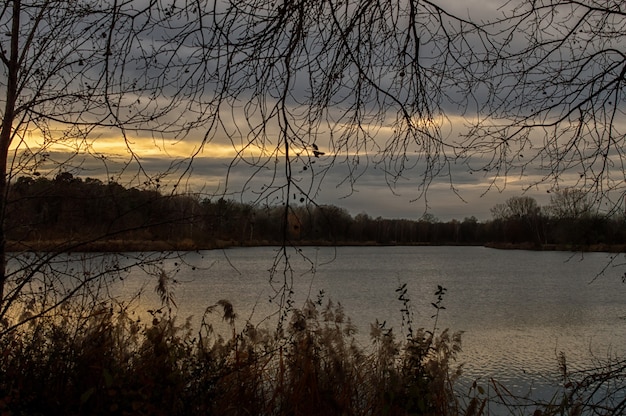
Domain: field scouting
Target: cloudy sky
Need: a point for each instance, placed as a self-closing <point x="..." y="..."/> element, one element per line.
<point x="469" y="194"/>
<point x="358" y="179"/>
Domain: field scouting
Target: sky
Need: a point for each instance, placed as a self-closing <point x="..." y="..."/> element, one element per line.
<point x="458" y="192"/>
<point x="462" y="194"/>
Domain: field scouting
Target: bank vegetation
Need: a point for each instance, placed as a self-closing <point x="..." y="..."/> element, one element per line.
<point x="68" y="213"/>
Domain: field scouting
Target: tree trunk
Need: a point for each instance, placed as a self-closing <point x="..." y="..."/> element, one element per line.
<point x="6" y="132"/>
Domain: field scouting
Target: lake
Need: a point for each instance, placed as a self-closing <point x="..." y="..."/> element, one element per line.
<point x="518" y="309"/>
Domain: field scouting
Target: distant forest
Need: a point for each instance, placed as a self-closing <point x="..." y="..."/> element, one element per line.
<point x="103" y="216"/>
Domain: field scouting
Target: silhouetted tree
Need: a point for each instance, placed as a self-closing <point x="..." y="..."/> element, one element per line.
<point x="468" y="231"/>
<point x="75" y="71"/>
<point x="554" y="78"/>
<point x="570" y="203"/>
<point x="519" y="219"/>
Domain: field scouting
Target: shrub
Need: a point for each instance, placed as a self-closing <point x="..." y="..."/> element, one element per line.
<point x="104" y="362"/>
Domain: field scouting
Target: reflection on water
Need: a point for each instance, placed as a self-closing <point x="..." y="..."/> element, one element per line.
<point x="518" y="309"/>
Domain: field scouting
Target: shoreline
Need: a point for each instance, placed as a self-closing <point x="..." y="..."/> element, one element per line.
<point x="117" y="245"/>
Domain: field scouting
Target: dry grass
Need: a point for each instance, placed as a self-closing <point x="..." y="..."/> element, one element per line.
<point x="103" y="362"/>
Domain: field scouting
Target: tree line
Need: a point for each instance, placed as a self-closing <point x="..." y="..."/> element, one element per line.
<point x="68" y="208"/>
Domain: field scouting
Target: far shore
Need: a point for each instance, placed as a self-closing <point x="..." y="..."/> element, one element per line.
<point x="119" y="245"/>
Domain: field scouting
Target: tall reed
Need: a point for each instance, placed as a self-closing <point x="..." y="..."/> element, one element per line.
<point x="105" y="361"/>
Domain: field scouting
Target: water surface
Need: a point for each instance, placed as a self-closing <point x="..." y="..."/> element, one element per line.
<point x="518" y="309"/>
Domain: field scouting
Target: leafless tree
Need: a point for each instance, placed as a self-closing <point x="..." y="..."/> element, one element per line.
<point x="553" y="84"/>
<point x="516" y="207"/>
<point x="295" y="86"/>
<point x="352" y="85"/>
<point x="73" y="74"/>
<point x="571" y="203"/>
